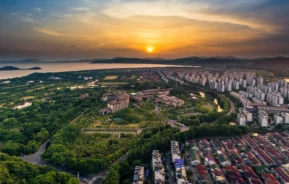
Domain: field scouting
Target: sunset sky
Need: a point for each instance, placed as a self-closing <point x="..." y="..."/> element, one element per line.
<point x="85" y="29"/>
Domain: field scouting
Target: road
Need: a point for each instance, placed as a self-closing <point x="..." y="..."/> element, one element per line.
<point x="92" y="179"/>
<point x="175" y="124"/>
<point x="37" y="160"/>
<point x="232" y="107"/>
<point x="36" y="157"/>
<point x="98" y="178"/>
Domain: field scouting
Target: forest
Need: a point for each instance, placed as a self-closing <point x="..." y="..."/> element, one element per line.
<point x="14" y="170"/>
<point x="23" y="131"/>
<point x="89" y="153"/>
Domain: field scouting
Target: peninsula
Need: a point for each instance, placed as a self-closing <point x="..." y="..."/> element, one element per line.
<point x="8" y="68"/>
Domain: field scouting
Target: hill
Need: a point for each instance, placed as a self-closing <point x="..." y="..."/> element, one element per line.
<point x="278" y="65"/>
<point x="9" y="68"/>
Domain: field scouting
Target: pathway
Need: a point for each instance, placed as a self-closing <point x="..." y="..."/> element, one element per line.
<point x="98" y="178"/>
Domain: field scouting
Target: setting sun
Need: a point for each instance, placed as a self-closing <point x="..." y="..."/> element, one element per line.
<point x="150" y="49"/>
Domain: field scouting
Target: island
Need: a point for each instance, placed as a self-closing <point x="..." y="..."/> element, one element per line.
<point x="34" y="68"/>
<point x="8" y="68"/>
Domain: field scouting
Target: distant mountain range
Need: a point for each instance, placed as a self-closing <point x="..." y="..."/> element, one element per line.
<point x="200" y="61"/>
<point x="31" y="61"/>
<point x="278" y="65"/>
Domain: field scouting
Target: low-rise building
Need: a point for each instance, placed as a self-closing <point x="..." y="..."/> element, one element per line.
<point x="218" y="176"/>
<point x="202" y="174"/>
<point x="138" y="177"/>
<point x="264" y="157"/>
<point x="175" y="151"/>
<point x="181" y="174"/>
<point x="250" y="141"/>
<point x="230" y="148"/>
<point x="233" y="175"/>
<point x="250" y="176"/>
<point x="204" y="145"/>
<point x="217" y="145"/>
<point x="158" y="167"/>
<point x="253" y="160"/>
<point x="240" y="144"/>
<point x="223" y="159"/>
<point x="262" y="141"/>
<point x="193" y="152"/>
<point x="116" y="101"/>
<point x="209" y="160"/>
<point x="269" y="178"/>
<point x="171" y="101"/>
<point x="275" y="155"/>
<point x="280" y="174"/>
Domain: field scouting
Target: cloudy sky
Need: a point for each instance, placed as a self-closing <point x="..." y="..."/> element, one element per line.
<point x="82" y="29"/>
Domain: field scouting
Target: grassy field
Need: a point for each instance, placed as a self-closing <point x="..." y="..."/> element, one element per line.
<point x="110" y="77"/>
<point x="27" y="98"/>
<point x="207" y="107"/>
<point x="112" y="83"/>
<point x="132" y="77"/>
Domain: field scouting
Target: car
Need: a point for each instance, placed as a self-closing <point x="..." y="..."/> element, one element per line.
<point x="85" y="180"/>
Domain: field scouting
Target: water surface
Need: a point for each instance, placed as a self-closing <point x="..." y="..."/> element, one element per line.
<point x="65" y="67"/>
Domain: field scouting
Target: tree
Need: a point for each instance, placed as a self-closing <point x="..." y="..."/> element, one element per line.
<point x="15" y="170"/>
<point x="113" y="175"/>
<point x="31" y="147"/>
<point x="189" y="173"/>
<point x="42" y="135"/>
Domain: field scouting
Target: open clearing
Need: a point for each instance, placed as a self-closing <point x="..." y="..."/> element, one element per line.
<point x="132" y="77"/>
<point x="111" y="83"/>
<point x="27" y="98"/>
<point x="111" y="77"/>
<point x="207" y="107"/>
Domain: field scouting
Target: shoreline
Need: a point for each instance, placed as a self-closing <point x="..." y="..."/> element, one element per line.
<point x="108" y="66"/>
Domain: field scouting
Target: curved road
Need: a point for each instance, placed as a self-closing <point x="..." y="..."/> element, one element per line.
<point x="92" y="179"/>
<point x="232" y="107"/>
<point x="36" y="157"/>
<point x="37" y="160"/>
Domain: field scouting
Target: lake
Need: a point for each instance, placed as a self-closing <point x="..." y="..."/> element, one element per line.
<point x="65" y="67"/>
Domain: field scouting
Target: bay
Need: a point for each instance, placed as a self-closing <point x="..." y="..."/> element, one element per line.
<point x="65" y="67"/>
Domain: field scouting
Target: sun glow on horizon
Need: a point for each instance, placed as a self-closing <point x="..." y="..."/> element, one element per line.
<point x="150" y="49"/>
